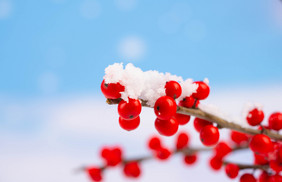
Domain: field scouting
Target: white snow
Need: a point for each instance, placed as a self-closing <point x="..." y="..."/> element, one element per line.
<point x="148" y="85"/>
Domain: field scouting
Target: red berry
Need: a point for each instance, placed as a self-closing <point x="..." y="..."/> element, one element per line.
<point x="255" y="117"/>
<point x="275" y="121"/>
<point x="216" y="162"/>
<point x="173" y="89"/>
<point x="182" y="140"/>
<point x="222" y="149"/>
<point x="165" y="107"/>
<point x="188" y="102"/>
<point x="163" y="153"/>
<point x="202" y="92"/>
<point x="190" y="159"/>
<point x="247" y="178"/>
<point x="166" y="127"/>
<point x="260" y="159"/>
<point x="232" y="170"/>
<point x="261" y="144"/>
<point x="95" y="173"/>
<point x="111" y="90"/>
<point x="130" y="109"/>
<point x="275" y="178"/>
<point x="263" y="177"/>
<point x="201" y="123"/>
<point x="238" y="137"/>
<point x="129" y="124"/>
<point x="275" y="165"/>
<point x="209" y="135"/>
<point x="112" y="156"/>
<point x="132" y="169"/>
<point x="182" y="119"/>
<point x="154" y="143"/>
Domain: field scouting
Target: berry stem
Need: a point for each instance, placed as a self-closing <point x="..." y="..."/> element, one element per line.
<point x="215" y="119"/>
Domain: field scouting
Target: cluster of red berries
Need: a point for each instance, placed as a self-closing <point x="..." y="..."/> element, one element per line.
<point x="113" y="157"/>
<point x="167" y="121"/>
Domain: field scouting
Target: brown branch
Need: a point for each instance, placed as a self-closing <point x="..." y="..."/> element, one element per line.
<point x="247" y="166"/>
<point x="222" y="123"/>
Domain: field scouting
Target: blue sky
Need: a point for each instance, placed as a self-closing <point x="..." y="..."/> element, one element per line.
<point x="71" y="42"/>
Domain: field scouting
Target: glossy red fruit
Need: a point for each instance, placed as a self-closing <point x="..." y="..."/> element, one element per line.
<point x="247" y="178"/>
<point x="165" y="107"/>
<point x="209" y="135"/>
<point x="275" y="121"/>
<point x="263" y="177"/>
<point x="182" y="140"/>
<point x="111" y="90"/>
<point x="215" y="163"/>
<point x="261" y="144"/>
<point x="173" y="89"/>
<point x="190" y="159"/>
<point x="130" y="109"/>
<point x="163" y="153"/>
<point x="202" y="92"/>
<point x="129" y="124"/>
<point x="112" y="156"/>
<point x="182" y="119"/>
<point x="166" y="127"/>
<point x="239" y="137"/>
<point x="94" y="173"/>
<point x="275" y="178"/>
<point x="275" y="166"/>
<point x="154" y="143"/>
<point x="222" y="149"/>
<point x="188" y="102"/>
<point x="255" y="117"/>
<point x="200" y="123"/>
<point x="232" y="170"/>
<point x="132" y="169"/>
<point x="260" y="159"/>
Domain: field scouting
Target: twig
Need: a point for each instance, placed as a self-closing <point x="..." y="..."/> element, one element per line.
<point x="215" y="119"/>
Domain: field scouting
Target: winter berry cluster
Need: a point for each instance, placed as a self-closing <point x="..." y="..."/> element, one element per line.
<point x="113" y="156"/>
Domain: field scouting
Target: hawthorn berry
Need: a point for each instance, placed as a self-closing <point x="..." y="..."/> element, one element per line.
<point x="163" y="153"/>
<point x="275" y="121"/>
<point x="154" y="143"/>
<point x="111" y="90"/>
<point x="165" y="107"/>
<point x="202" y="91"/>
<point x="232" y="170"/>
<point x="190" y="159"/>
<point x="255" y="117"/>
<point x="238" y="137"/>
<point x="132" y="169"/>
<point x="261" y="144"/>
<point x="263" y="177"/>
<point x="275" y="166"/>
<point x="222" y="149"/>
<point x="247" y="178"/>
<point x="112" y="156"/>
<point x="182" y="140"/>
<point x="173" y="89"/>
<point x="215" y="162"/>
<point x="260" y="159"/>
<point x="188" y="102"/>
<point x="94" y="173"/>
<point x="182" y="118"/>
<point x="129" y="124"/>
<point x="209" y="135"/>
<point x="130" y="109"/>
<point x="200" y="123"/>
<point x="166" y="127"/>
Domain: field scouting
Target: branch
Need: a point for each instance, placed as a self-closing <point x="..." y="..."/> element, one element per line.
<point x="215" y="119"/>
<point x="247" y="166"/>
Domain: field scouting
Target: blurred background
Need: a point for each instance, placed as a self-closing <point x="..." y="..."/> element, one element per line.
<point x="53" y="117"/>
